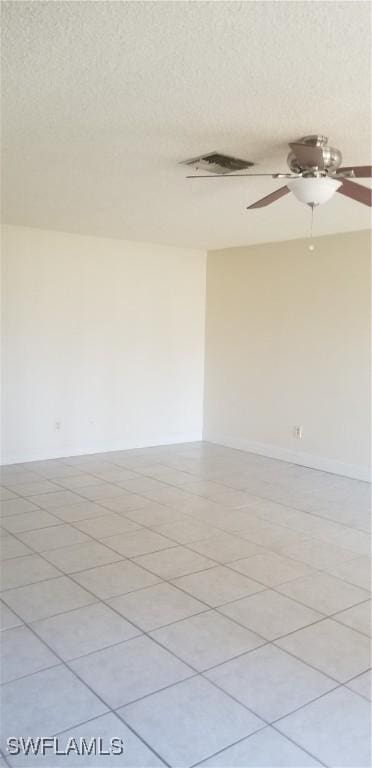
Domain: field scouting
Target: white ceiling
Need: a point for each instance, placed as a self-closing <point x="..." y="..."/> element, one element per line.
<point x="103" y="99"/>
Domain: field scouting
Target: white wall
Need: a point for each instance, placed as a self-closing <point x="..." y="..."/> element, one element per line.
<point x="288" y="342"/>
<point x="105" y="337"/>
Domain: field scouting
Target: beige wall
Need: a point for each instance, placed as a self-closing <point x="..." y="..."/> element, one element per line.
<point x="288" y="343"/>
<point x="104" y="337"/>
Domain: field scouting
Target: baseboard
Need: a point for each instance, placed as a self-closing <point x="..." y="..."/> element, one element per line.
<point x="150" y="442"/>
<point x="354" y="471"/>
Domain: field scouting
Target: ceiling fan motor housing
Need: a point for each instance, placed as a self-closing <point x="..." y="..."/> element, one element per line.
<point x="332" y="157"/>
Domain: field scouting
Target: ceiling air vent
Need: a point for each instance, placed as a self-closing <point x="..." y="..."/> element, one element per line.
<point x="214" y="162"/>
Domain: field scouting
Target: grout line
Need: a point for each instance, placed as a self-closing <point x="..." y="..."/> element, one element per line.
<point x="200" y="763"/>
<point x="355" y="677"/>
<point x="217" y="564"/>
<point x="161" y="645"/>
<point x="303" y="706"/>
<point x="97" y="501"/>
<point x="199" y="496"/>
<point x="97" y="695"/>
<point x="234" y="744"/>
<point x="363" y="696"/>
<point x="144" y="633"/>
<point x="304" y="749"/>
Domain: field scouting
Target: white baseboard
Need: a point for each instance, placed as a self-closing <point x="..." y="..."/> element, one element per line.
<point x="355" y="471"/>
<point x="150" y="442"/>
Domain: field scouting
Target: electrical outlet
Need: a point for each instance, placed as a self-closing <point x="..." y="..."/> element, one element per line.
<point x="298" y="431"/>
<point x="57" y="426"/>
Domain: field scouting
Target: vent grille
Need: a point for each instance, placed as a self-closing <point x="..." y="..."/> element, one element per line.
<point x="215" y="162"/>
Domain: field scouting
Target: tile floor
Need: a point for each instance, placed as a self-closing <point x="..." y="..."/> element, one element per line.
<point x="206" y="606"/>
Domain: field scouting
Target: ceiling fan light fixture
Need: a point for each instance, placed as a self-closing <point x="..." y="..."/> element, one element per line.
<point x="314" y="190"/>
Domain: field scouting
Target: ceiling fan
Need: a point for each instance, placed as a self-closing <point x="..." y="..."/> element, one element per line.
<point x="315" y="175"/>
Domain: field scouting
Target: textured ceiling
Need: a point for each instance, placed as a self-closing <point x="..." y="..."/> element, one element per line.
<point x="101" y="100"/>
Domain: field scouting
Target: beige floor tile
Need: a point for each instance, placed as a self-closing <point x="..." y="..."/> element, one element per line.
<point x="34" y="487"/>
<point x="324" y="593"/>
<point x="82" y="511"/>
<point x="53" y="537"/>
<point x="137" y="543"/>
<point x="47" y="598"/>
<point x="125" y="502"/>
<point x="108" y="524"/>
<point x="23" y="654"/>
<point x="115" y="579"/>
<point x="8" y="619"/>
<point x="16" y="506"/>
<point x="6" y="494"/>
<point x="11" y="547"/>
<point x="271" y="568"/>
<point x="190" y="721"/>
<point x="357" y="571"/>
<point x="156" y="606"/>
<point x="84" y="630"/>
<point x="29" y="521"/>
<point x="188" y="530"/>
<point x="136" y="753"/>
<point x="177" y="561"/>
<point x="52" y="501"/>
<point x="75" y="482"/>
<point x="225" y="548"/>
<point x="206" y="639"/>
<point x="334" y="649"/>
<point x="25" y="570"/>
<point x="101" y="492"/>
<point x="78" y="557"/>
<point x="155" y="515"/>
<point x="265" y="749"/>
<point x="318" y="554"/>
<point x="218" y="585"/>
<point x="300" y="531"/>
<point x="62" y="701"/>
<point x="362" y="685"/>
<point x="358" y="617"/>
<point x="270" y="614"/>
<point x="335" y="729"/>
<point x="270" y="682"/>
<point x="129" y="671"/>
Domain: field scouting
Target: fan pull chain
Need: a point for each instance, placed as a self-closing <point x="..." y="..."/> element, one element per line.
<point x="311" y="245"/>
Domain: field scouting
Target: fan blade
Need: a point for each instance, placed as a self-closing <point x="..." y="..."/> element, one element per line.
<point x="269" y="198"/>
<point x="308" y="156"/>
<point x="356" y="192"/>
<point x="241" y="175"/>
<point x="359" y="172"/>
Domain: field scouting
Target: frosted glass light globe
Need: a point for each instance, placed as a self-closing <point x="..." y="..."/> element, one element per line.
<point x="314" y="191"/>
